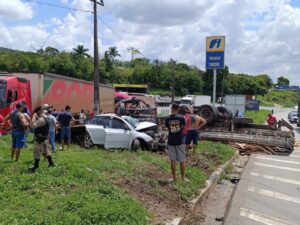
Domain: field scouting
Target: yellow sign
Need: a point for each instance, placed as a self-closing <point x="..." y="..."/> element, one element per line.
<point x="215" y="44"/>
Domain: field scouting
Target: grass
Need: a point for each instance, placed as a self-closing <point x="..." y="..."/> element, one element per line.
<point x="259" y="117"/>
<point x="81" y="188"/>
<point x="162" y="92"/>
<point x="284" y="98"/>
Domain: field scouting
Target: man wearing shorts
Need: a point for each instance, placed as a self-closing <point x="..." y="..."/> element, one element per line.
<point x="196" y="123"/>
<point x="175" y="124"/>
<point x="65" y="118"/>
<point x="19" y="125"/>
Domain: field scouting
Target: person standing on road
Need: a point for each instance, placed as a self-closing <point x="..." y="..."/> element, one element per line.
<point x="272" y="121"/>
<point x="196" y="123"/>
<point x="19" y="125"/>
<point x="52" y="130"/>
<point x="65" y="119"/>
<point x="176" y="149"/>
<point x="40" y="124"/>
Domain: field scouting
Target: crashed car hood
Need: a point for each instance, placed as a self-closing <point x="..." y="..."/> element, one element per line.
<point x="144" y="125"/>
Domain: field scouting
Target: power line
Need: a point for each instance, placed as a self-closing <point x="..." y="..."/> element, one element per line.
<point x="119" y="36"/>
<point x="59" y="6"/>
<point x="85" y="11"/>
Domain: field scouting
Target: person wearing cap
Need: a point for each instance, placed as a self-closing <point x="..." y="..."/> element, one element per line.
<point x="40" y="124"/>
<point x="65" y="119"/>
<point x="19" y="125"/>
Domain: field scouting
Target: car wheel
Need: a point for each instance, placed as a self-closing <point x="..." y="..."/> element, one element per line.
<point x="136" y="144"/>
<point x="209" y="113"/>
<point x="87" y="141"/>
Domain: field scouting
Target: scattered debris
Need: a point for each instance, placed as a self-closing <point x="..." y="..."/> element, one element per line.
<point x="235" y="180"/>
<point x="220" y="219"/>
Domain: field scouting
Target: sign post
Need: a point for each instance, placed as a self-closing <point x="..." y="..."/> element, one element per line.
<point x="215" y="55"/>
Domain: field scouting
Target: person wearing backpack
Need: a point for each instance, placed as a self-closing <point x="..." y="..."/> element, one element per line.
<point x="40" y="124"/>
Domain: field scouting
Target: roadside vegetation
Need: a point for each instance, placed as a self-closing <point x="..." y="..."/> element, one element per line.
<point x="283" y="98"/>
<point x="189" y="79"/>
<point x="259" y="117"/>
<point x="99" y="186"/>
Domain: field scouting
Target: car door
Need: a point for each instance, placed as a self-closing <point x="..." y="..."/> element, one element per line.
<point x="96" y="129"/>
<point x="117" y="134"/>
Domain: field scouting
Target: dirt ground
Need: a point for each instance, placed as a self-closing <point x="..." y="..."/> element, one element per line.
<point x="153" y="189"/>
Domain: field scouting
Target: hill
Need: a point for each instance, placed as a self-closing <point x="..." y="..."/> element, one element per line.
<point x="2" y="49"/>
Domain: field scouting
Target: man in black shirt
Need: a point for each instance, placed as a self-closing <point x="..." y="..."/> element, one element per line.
<point x="65" y="119"/>
<point x="176" y="148"/>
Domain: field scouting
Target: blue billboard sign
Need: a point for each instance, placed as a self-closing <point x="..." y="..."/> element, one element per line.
<point x="215" y="56"/>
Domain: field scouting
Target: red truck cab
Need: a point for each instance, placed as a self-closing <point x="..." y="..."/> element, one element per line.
<point x="14" y="90"/>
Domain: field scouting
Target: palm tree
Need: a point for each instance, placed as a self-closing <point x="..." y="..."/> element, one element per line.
<point x="80" y="50"/>
<point x="133" y="51"/>
<point x="113" y="53"/>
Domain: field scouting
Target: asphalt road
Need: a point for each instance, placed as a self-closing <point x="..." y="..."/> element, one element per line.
<point x="269" y="189"/>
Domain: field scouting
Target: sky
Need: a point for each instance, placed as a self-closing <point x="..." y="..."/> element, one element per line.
<point x="262" y="36"/>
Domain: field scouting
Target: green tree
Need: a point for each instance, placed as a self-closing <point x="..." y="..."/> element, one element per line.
<point x="113" y="53"/>
<point x="282" y="81"/>
<point x="81" y="51"/>
<point x="133" y="52"/>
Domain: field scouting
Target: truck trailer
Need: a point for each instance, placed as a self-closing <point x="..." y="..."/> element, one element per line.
<point x="36" y="89"/>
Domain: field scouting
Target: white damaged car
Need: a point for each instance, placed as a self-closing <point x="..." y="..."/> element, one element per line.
<point x="112" y="131"/>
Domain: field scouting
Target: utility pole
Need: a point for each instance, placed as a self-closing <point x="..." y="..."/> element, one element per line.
<point x="173" y="62"/>
<point x="96" y="59"/>
<point x="214" y="87"/>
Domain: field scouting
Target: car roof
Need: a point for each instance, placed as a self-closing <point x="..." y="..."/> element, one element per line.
<point x="108" y="114"/>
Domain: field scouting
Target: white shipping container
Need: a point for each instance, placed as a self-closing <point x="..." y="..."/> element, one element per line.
<point x="202" y="100"/>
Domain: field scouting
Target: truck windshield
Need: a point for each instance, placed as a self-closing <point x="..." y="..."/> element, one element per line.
<point x="2" y="95"/>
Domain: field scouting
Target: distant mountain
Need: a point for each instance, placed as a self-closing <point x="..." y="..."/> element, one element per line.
<point x="2" y="49"/>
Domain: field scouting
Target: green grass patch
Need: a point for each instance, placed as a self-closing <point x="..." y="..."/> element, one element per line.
<point x="283" y="98"/>
<point x="162" y="92"/>
<point x="81" y="189"/>
<point x="259" y="117"/>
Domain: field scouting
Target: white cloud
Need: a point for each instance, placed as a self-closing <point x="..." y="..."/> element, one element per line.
<point x="15" y="9"/>
<point x="22" y="37"/>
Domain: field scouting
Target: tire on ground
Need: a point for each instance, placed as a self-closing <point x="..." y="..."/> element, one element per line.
<point x="209" y="113"/>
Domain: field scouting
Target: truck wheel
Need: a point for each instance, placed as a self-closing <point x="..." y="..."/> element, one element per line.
<point x="136" y="144"/>
<point x="87" y="141"/>
<point x="224" y="113"/>
<point x="209" y="113"/>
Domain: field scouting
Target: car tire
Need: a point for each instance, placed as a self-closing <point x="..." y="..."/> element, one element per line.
<point x="87" y="141"/>
<point x="136" y="144"/>
<point x="209" y="113"/>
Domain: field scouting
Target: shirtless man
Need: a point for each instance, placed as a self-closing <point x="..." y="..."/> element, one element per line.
<point x="196" y="123"/>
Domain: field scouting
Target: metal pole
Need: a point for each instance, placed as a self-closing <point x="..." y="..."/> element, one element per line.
<point x="215" y="87"/>
<point x="96" y="63"/>
<point x="173" y="80"/>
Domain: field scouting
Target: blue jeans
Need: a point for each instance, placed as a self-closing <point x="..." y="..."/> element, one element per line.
<point x="52" y="140"/>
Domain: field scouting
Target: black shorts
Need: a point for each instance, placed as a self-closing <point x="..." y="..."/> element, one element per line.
<point x="192" y="135"/>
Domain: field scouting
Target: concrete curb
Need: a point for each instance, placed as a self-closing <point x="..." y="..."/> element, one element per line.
<point x="210" y="185"/>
